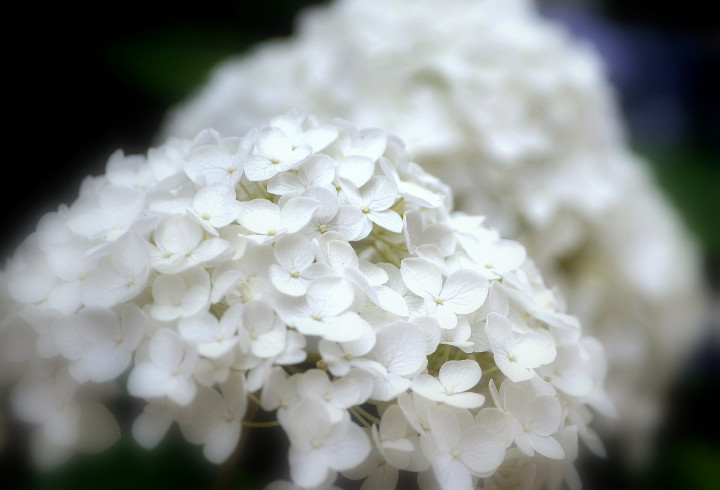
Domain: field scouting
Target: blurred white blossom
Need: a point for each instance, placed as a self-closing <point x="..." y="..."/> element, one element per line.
<point x="520" y="121"/>
<point x="218" y="301"/>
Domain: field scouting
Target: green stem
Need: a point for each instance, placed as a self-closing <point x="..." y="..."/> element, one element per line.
<point x="263" y="191"/>
<point x="367" y="415"/>
<point x="389" y="258"/>
<point x="313" y="357"/>
<point x="397" y="203"/>
<point x="254" y="398"/>
<point x="359" y="417"/>
<point x="248" y="194"/>
<point x="260" y="425"/>
<point x="389" y="243"/>
<point x="490" y="370"/>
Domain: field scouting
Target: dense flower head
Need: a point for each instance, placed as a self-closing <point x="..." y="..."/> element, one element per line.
<point x="308" y="269"/>
<point x="520" y="121"/>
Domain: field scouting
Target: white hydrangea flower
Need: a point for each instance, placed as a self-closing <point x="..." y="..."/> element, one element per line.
<point x="215" y="418"/>
<point x="377" y="340"/>
<point x="451" y="386"/>
<point x="520" y="121"/>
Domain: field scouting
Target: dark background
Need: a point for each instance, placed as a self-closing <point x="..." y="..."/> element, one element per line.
<point x="82" y="82"/>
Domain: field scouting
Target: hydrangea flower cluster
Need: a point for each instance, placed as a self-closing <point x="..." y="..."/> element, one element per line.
<point x="308" y="269"/>
<point x="520" y="121"/>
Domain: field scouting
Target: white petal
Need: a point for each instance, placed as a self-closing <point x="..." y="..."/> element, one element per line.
<point x="284" y="281"/>
<point x="546" y="414"/>
<point x="452" y="474"/>
<point x="400" y="347"/>
<point x="389" y="386"/>
<point x="574" y="382"/>
<point x="329" y="296"/>
<point x="66" y="297"/>
<point x="168" y="289"/>
<point x="457" y="376"/>
<point x="421" y="277"/>
<point x="467" y="400"/>
<point x="166" y="349"/>
<point x="547" y="446"/>
<point x="522" y="441"/>
<point x="341" y="255"/>
<point x="383" y="477"/>
<point x="180" y="389"/>
<point x="393" y="425"/>
<point x="347" y="221"/>
<point x="512" y="369"/>
<point x="371" y="367"/>
<point x="212" y="164"/>
<point x="147" y="381"/>
<point x="391" y="301"/>
<point x="379" y="193"/>
<point x="498" y="421"/>
<point x="533" y="350"/>
<point x="445" y="316"/>
<point x="499" y="333"/>
<point x="104" y="287"/>
<point x="344" y="392"/>
<point x="355" y="169"/>
<point x="296" y="213"/>
<point x="429" y="387"/>
<point x="98" y="428"/>
<point x="215" y="349"/>
<point x="208" y="250"/>
<point x="259" y="216"/>
<point x="445" y="428"/>
<point x="387" y="219"/>
<point x="106" y="361"/>
<point x="345" y="327"/>
<point x="222" y="443"/>
<point x="258" y="316"/>
<point x="294" y="253"/>
<point x="70" y="336"/>
<point x="464" y="291"/>
<point x="307" y="468"/>
<point x="131" y="257"/>
<point x="268" y="344"/>
<point x="285" y="183"/>
<point x="318" y="170"/>
<point x="347" y="446"/>
<point x="481" y="450"/>
<point x="150" y="427"/>
<point x="200" y="328"/>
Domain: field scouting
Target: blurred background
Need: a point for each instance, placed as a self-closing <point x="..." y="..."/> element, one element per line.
<point x="85" y="81"/>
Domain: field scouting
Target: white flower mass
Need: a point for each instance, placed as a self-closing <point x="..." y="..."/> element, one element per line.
<point x="520" y="121"/>
<point x="311" y="270"/>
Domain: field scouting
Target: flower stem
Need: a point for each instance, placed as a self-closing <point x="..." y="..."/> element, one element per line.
<point x="353" y="410"/>
<point x="260" y="425"/>
<point x="254" y="398"/>
<point x="490" y="370"/>
<point x="386" y="256"/>
<point x="263" y="191"/>
<point x="247" y="192"/>
<point x="397" y="203"/>
<point x="389" y="243"/>
<point x="367" y="415"/>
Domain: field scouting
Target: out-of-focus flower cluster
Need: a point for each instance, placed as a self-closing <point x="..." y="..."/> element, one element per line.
<point x="309" y="269"/>
<point x="520" y="121"/>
